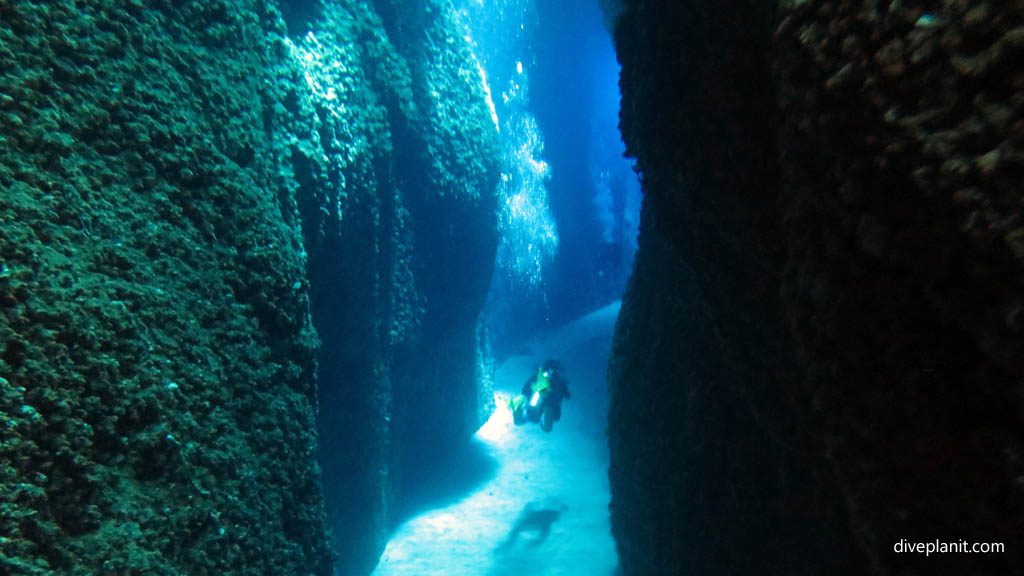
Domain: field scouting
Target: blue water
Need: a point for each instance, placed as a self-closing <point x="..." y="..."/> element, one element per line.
<point x="570" y="201"/>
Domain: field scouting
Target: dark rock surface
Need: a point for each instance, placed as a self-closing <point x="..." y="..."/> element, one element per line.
<point x="903" y="166"/>
<point x="819" y="352"/>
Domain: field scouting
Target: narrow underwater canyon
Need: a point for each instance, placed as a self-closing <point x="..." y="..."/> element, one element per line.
<point x="246" y="247"/>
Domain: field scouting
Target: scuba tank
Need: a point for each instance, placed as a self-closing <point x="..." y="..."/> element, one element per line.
<point x="531" y="407"/>
<point x="541" y="389"/>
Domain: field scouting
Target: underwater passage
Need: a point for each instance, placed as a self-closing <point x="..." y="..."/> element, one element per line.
<point x="539" y="503"/>
<point x="331" y="287"/>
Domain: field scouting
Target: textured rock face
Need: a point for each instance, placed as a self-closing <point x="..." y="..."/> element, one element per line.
<point x="185" y="190"/>
<point x="819" y="353"/>
<point x="717" y="467"/>
<point x="157" y="360"/>
<point x="399" y="175"/>
<point x="902" y="151"/>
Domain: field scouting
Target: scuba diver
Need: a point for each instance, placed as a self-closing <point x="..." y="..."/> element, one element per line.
<point x="541" y="400"/>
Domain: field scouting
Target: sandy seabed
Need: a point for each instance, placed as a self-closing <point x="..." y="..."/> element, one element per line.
<point x="543" y="507"/>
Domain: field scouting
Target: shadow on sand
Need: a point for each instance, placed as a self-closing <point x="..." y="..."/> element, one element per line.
<point x="533" y="526"/>
<point x="521" y="552"/>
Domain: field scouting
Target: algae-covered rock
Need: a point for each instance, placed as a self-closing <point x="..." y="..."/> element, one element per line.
<point x="185" y="187"/>
<point x="398" y="172"/>
<point x="158" y="365"/>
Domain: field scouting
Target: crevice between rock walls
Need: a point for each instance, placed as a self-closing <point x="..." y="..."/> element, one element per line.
<point x="186" y="189"/>
<point x="819" y="353"/>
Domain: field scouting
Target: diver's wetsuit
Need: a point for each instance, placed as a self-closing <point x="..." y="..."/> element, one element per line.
<point x="552" y="401"/>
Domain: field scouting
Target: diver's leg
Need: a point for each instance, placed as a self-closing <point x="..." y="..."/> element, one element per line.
<point x="519" y="417"/>
<point x="546" y="422"/>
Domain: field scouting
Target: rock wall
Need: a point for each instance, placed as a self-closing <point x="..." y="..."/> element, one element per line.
<point x="901" y="143"/>
<point x="717" y="467"/>
<point x="157" y="360"/>
<point x="819" y="353"/>
<point x="186" y="190"/>
<point x="399" y="174"/>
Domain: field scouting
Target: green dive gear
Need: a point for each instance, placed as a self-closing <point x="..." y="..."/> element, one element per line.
<point x="543" y="382"/>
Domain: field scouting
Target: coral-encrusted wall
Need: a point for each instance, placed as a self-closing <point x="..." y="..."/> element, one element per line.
<point x="157" y="360"/>
<point x="820" y="350"/>
<point x="398" y="171"/>
<point x="186" y="190"/>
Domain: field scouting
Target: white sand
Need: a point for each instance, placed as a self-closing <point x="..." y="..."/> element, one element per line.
<point x="558" y="479"/>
